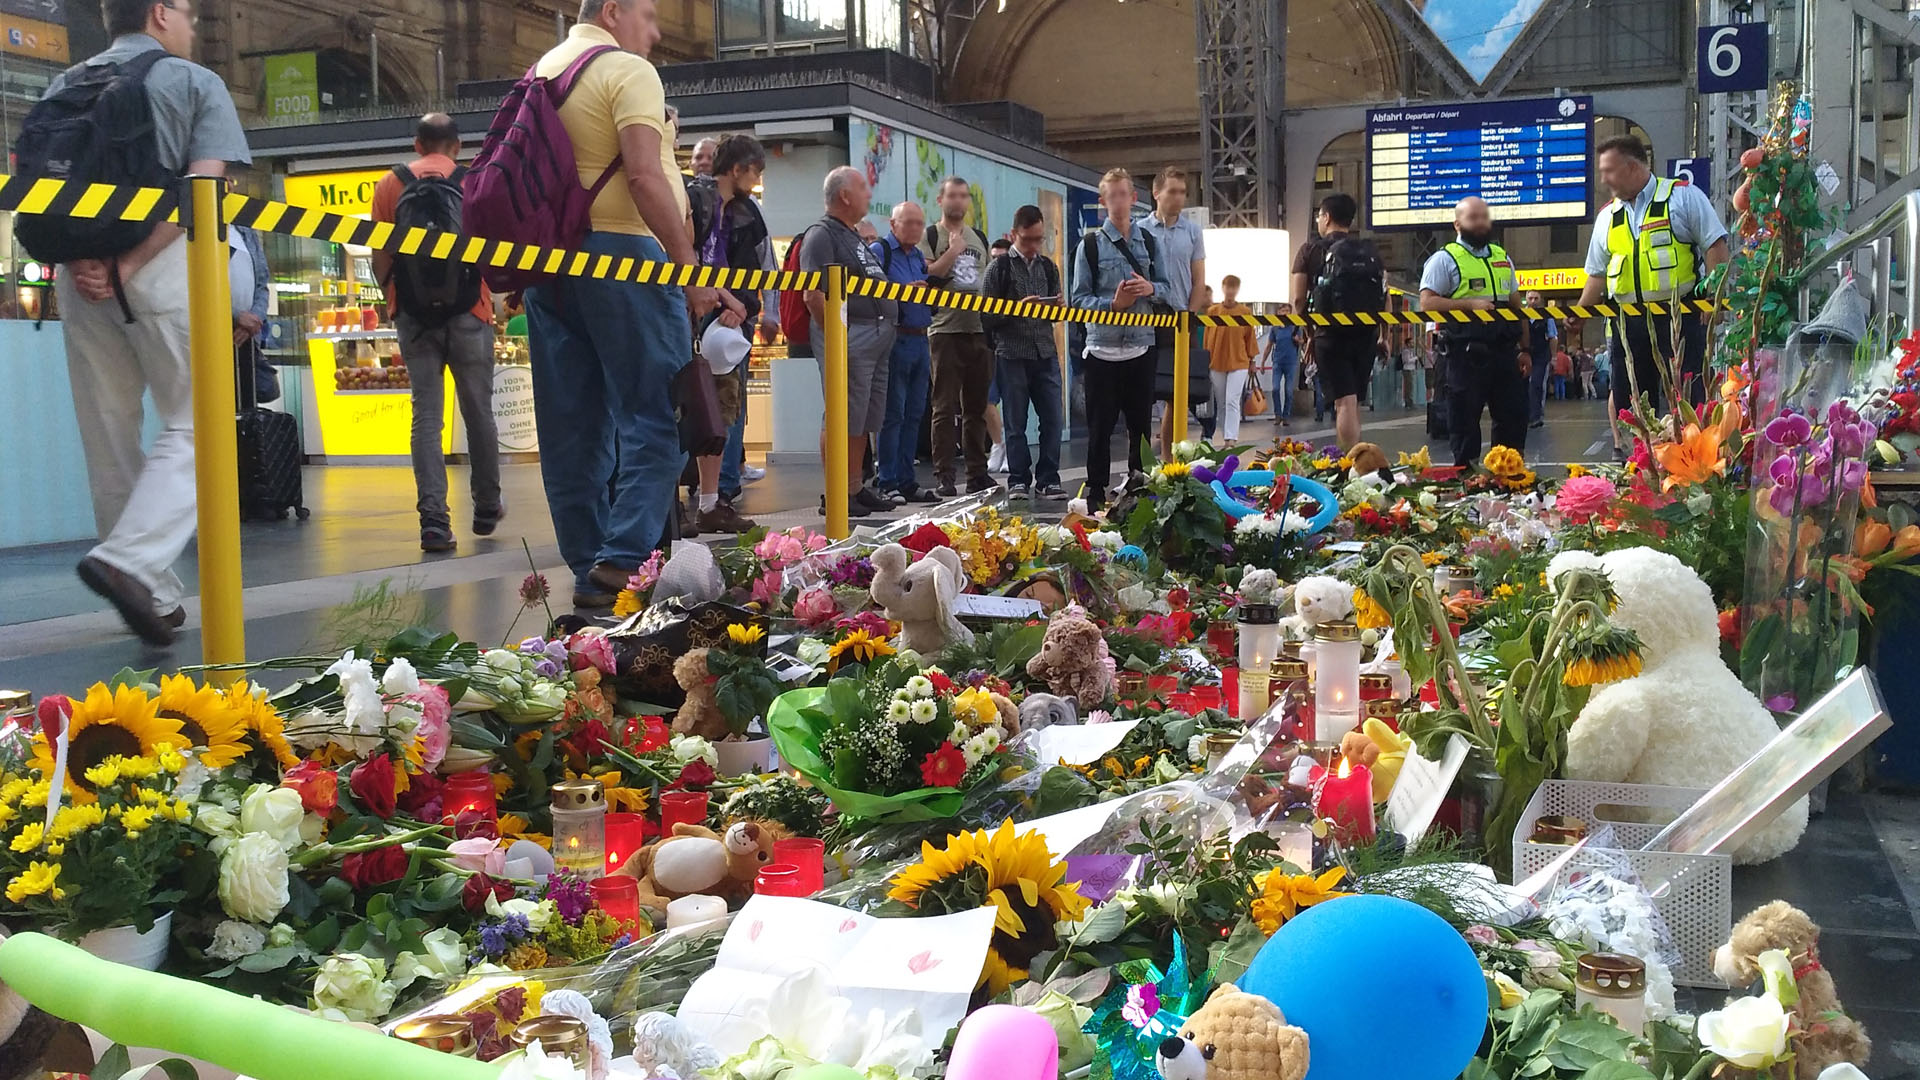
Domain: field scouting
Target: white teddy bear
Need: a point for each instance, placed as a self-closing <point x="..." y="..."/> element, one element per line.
<point x="1317" y="600"/>
<point x="1685" y="720"/>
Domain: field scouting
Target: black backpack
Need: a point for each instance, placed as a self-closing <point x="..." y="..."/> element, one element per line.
<point x="1351" y="278"/>
<point x="98" y="129"/>
<point x="429" y="290"/>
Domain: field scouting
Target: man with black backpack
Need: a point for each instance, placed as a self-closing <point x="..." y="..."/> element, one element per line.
<point x="138" y="113"/>
<point x="1337" y="272"/>
<point x="445" y="319"/>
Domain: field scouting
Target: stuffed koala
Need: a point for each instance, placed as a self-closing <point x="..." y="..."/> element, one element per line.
<point x="1686" y="720"/>
<point x="1039" y="710"/>
<point x="700" y="713"/>
<point x="920" y="595"/>
<point x="1831" y="1036"/>
<point x="1073" y="660"/>
<point x="697" y="860"/>
<point x="1234" y="1036"/>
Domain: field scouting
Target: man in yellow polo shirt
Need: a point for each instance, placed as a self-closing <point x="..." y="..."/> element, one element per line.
<point x="604" y="352"/>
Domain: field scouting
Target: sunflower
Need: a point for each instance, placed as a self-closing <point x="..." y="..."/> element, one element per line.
<point x="745" y="634"/>
<point x="249" y="703"/>
<point x="1282" y="896"/>
<point x="1590" y="671"/>
<point x="122" y="721"/>
<point x="1015" y="874"/>
<point x="1368" y="614"/>
<point x="1174" y="470"/>
<point x="1603" y="655"/>
<point x="207" y="720"/>
<point x="626" y="603"/>
<point x="864" y="646"/>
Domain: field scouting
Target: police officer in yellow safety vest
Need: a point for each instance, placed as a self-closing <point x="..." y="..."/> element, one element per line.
<point x="1653" y="243"/>
<point x="1486" y="358"/>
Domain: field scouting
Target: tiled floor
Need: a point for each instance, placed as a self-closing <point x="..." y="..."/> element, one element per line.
<point x="1857" y="872"/>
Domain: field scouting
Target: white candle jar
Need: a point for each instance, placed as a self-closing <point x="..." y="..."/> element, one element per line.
<point x="1336" y="675"/>
<point x="580" y="827"/>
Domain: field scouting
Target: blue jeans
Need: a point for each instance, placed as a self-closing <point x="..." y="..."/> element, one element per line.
<point x="1036" y="381"/>
<point x="735" y="457"/>
<point x="909" y="379"/>
<point x="1286" y="376"/>
<point x="603" y="353"/>
<point x="1537" y="389"/>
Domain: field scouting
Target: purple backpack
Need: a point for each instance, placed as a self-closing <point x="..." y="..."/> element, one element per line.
<point x="523" y="186"/>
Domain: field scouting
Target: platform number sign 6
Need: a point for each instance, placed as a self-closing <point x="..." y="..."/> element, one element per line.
<point x="1733" y="58"/>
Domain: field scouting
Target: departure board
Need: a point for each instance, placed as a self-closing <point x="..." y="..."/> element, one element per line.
<point x="1531" y="160"/>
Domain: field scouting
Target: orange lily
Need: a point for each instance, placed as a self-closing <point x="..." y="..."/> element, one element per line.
<point x="1870" y="538"/>
<point x="1727" y="420"/>
<point x="1691" y="460"/>
<point x="1907" y="541"/>
<point x="1869" y="498"/>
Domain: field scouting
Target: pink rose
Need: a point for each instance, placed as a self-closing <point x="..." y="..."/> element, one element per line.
<point x="479" y="855"/>
<point x="816" y="608"/>
<point x="768" y="587"/>
<point x="436" y="727"/>
<point x="1581" y="497"/>
<point x="590" y="650"/>
<point x="1481" y="934"/>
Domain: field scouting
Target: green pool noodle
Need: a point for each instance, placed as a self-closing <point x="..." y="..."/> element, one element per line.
<point x="824" y="1072"/>
<point x="249" y="1036"/>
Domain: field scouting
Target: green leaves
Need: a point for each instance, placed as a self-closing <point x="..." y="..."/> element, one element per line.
<point x="1580" y="1045"/>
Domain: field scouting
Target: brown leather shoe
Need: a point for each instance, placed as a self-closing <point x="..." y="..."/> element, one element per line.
<point x="176" y="618"/>
<point x="610" y="578"/>
<point x="129" y="597"/>
<point x="723" y="518"/>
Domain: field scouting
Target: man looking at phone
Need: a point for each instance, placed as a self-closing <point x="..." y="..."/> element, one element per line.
<point x="1028" y="362"/>
<point x="1114" y="270"/>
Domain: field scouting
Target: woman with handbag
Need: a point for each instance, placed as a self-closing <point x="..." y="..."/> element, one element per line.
<point x="1230" y="350"/>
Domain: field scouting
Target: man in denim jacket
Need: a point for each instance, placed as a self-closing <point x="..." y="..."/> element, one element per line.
<point x="1120" y="359"/>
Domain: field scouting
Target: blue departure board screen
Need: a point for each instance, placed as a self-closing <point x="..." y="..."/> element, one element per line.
<point x="1531" y="160"/>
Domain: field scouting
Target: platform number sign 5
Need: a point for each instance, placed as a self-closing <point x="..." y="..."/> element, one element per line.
<point x="1697" y="171"/>
<point x="1733" y="58"/>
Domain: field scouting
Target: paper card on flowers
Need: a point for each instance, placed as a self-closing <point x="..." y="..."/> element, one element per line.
<point x="926" y="965"/>
<point x="1422" y="787"/>
<point x="1078" y="744"/>
<point x="1065" y="832"/>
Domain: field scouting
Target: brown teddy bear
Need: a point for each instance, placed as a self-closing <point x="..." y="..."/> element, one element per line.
<point x="697" y="860"/>
<point x="1072" y="660"/>
<point x="1234" y="1036"/>
<point x="700" y="713"/>
<point x="1824" y="1034"/>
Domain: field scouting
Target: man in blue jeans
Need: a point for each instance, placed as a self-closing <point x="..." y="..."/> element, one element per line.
<point x="603" y="350"/>
<point x="909" y="364"/>
<point x="1542" y="337"/>
<point x="1028" y="363"/>
<point x="1283" y="352"/>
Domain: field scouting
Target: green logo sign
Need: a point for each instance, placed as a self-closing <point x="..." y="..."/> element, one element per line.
<point x="293" y="87"/>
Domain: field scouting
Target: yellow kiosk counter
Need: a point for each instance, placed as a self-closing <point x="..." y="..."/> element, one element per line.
<point x="363" y="401"/>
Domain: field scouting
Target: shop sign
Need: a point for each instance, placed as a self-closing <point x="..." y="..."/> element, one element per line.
<point x="51" y="11"/>
<point x="348" y="193"/>
<point x="23" y="36"/>
<point x="36" y="274"/>
<point x="513" y="409"/>
<point x="293" y="87"/>
<point x="1558" y="277"/>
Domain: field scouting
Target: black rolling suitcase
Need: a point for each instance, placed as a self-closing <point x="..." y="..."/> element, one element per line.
<point x="269" y="451"/>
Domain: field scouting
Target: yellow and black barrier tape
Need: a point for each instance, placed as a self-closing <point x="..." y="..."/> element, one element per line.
<point x="25" y="195"/>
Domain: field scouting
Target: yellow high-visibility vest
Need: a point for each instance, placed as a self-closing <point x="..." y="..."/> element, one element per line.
<point x="1652" y="265"/>
<point x="1491" y="276"/>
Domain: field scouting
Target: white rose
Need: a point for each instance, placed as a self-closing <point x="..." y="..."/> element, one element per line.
<point x="216" y="821"/>
<point x="445" y="958"/>
<point x="275" y="811"/>
<point x="253" y="878"/>
<point x="400" y="678"/>
<point x="1750" y="1032"/>
<point x="233" y="940"/>
<point x="504" y="660"/>
<point x="1776" y="972"/>
<point x="353" y="988"/>
<point x="280" y="935"/>
<point x="686" y="748"/>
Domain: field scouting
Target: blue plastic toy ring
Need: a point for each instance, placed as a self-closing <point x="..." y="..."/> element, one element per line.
<point x="1329" y="506"/>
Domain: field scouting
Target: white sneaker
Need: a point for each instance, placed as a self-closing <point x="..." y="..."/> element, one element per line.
<point x="750" y="473"/>
<point x="997" y="460"/>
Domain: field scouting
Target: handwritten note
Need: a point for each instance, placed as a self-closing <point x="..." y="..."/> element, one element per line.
<point x="1422" y="787"/>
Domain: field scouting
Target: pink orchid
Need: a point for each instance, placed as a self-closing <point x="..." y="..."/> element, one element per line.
<point x="479" y="855"/>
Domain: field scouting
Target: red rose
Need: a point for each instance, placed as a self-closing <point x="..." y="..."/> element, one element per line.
<point x="473" y="895"/>
<point x="926" y="538"/>
<point x="377" y="867"/>
<point x="592" y="738"/>
<point x="696" y="774"/>
<point x="372" y="783"/>
<point x="319" y="786"/>
<point x="424" y="796"/>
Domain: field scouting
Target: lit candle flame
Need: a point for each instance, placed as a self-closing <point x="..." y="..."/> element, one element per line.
<point x="1346" y="769"/>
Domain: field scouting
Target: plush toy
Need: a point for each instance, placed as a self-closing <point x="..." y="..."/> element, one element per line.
<point x="1259" y="585"/>
<point x="695" y="859"/>
<point x="1234" y="1036"/>
<point x="1317" y="600"/>
<point x="1039" y="710"/>
<point x="1072" y="660"/>
<point x="700" y="713"/>
<point x="920" y="595"/>
<point x="667" y="1048"/>
<point x="1684" y="721"/>
<point x="1368" y="459"/>
<point x="1381" y="749"/>
<point x="1829" y="1036"/>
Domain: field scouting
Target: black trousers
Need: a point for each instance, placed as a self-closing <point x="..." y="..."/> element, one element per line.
<point x="1482" y="376"/>
<point x="1116" y="389"/>
<point x="1636" y="336"/>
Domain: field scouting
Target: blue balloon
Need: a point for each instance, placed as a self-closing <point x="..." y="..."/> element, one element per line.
<point x="1329" y="505"/>
<point x="1382" y="987"/>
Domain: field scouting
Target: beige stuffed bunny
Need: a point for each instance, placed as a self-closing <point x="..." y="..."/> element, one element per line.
<point x="920" y="596"/>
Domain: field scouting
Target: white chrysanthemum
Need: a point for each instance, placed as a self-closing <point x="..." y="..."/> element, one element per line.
<point x="959" y="735"/>
<point x="897" y="712"/>
<point x="981" y="745"/>
<point x="924" y="711"/>
<point x="920" y="687"/>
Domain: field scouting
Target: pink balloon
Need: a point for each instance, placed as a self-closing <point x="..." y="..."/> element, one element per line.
<point x="1005" y="1042"/>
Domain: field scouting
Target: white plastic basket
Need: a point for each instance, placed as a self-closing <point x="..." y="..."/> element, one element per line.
<point x="1696" y="899"/>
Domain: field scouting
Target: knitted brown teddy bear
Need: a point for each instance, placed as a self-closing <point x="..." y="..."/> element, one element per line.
<point x="1072" y="660"/>
<point x="1234" y="1036"/>
<point x="1823" y="1033"/>
<point x="700" y="713"/>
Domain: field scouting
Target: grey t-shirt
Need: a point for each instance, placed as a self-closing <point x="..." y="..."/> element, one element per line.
<point x="193" y="116"/>
<point x="829" y="242"/>
<point x="968" y="273"/>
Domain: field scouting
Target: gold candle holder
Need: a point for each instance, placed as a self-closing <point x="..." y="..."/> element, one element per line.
<point x="1558" y="829"/>
<point x="447" y="1034"/>
<point x="559" y="1036"/>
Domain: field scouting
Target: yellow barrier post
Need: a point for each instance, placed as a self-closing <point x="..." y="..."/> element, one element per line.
<point x="833" y="391"/>
<point x="1182" y="359"/>
<point x="215" y="459"/>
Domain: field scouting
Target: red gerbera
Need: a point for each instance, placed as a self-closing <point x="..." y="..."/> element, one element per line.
<point x="941" y="683"/>
<point x="944" y="767"/>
